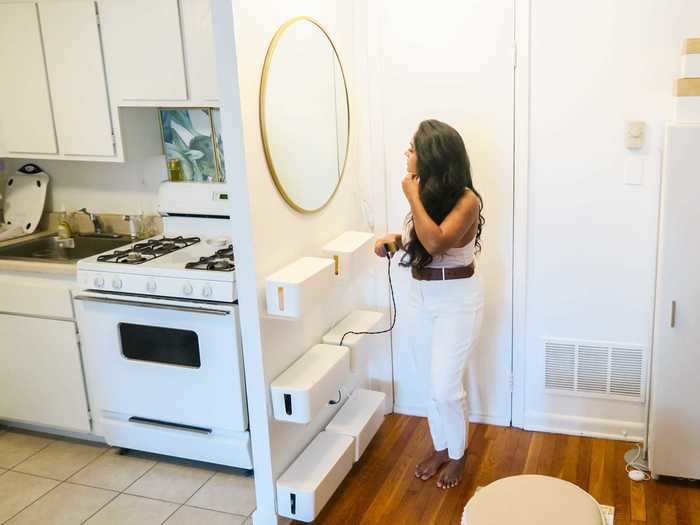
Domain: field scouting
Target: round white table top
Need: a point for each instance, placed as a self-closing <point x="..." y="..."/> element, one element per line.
<point x="532" y="500"/>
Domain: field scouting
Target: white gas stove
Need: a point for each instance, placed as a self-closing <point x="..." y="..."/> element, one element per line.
<point x="160" y="335"/>
<point x="192" y="260"/>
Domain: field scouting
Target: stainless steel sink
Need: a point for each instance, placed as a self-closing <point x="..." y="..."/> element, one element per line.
<point x="60" y="250"/>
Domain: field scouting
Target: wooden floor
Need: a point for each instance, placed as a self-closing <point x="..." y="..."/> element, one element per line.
<point x="382" y="489"/>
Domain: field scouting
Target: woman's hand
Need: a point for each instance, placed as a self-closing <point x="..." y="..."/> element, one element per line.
<point x="410" y="185"/>
<point x="379" y="248"/>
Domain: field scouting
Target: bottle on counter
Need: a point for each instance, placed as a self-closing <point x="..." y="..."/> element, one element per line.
<point x="175" y="170"/>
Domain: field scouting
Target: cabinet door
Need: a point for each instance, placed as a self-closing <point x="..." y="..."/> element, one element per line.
<point x="41" y="377"/>
<point x="25" y="105"/>
<point x="143" y="49"/>
<point x="199" y="50"/>
<point x="77" y="79"/>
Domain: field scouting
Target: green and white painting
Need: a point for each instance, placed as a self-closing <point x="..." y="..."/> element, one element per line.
<point x="189" y="135"/>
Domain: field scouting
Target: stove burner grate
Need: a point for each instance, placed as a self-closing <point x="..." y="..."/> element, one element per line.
<point x="142" y="252"/>
<point x="220" y="261"/>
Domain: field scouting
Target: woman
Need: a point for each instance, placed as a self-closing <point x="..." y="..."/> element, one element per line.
<point x="441" y="234"/>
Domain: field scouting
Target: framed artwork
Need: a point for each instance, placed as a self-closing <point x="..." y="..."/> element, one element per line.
<point x="192" y="138"/>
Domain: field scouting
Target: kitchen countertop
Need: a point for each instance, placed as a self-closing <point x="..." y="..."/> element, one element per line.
<point x="52" y="267"/>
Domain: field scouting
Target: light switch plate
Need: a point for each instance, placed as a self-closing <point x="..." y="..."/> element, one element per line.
<point x="634" y="171"/>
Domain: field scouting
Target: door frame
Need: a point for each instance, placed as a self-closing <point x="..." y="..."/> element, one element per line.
<point x="521" y="170"/>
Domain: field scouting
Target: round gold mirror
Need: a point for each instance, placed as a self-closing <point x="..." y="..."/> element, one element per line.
<point x="304" y="114"/>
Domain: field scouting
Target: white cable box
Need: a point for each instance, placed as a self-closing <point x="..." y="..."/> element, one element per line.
<point x="311" y="480"/>
<point x="306" y="387"/>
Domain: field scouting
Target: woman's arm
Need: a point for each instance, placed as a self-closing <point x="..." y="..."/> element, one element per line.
<point x="438" y="238"/>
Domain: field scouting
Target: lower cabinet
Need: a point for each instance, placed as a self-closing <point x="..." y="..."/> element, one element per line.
<point x="41" y="377"/>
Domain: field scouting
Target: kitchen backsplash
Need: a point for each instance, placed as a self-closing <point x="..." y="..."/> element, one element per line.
<point x="102" y="187"/>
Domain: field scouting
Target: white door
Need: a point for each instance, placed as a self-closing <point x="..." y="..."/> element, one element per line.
<point x="143" y="49"/>
<point x="454" y="62"/>
<point x="76" y="75"/>
<point x="25" y="106"/>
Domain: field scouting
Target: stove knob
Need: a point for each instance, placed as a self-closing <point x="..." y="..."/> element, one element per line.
<point x="99" y="282"/>
<point x="187" y="289"/>
<point x="151" y="286"/>
<point x="207" y="291"/>
<point x="117" y="283"/>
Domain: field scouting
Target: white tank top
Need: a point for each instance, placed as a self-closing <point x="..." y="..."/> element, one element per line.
<point x="452" y="258"/>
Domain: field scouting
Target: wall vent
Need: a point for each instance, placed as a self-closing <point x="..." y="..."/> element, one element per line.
<point x="594" y="369"/>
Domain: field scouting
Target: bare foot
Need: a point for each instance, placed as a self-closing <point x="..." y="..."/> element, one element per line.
<point x="452" y="474"/>
<point x="427" y="468"/>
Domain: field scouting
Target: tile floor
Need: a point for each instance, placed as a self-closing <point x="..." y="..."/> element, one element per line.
<point x="55" y="481"/>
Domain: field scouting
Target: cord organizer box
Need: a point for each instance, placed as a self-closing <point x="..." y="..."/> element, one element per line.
<point x="305" y="388"/>
<point x="294" y="288"/>
<point x="349" y="252"/>
<point x="351" y="332"/>
<point x="309" y="482"/>
<point x="360" y="418"/>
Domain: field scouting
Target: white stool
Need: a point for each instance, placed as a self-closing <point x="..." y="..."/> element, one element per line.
<point x="532" y="500"/>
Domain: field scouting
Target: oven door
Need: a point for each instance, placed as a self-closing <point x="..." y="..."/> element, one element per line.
<point x="172" y="364"/>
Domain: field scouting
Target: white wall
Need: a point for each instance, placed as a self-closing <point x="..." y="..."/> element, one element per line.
<point x="268" y="234"/>
<point x="101" y="187"/>
<point x="592" y="239"/>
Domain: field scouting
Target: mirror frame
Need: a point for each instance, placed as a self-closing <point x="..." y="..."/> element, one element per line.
<point x="261" y="104"/>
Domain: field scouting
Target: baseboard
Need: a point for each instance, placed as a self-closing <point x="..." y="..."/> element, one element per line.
<point x="419" y="410"/>
<point x="584" y="426"/>
<point x="51" y="430"/>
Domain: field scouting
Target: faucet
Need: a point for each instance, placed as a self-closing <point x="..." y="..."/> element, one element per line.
<point x="96" y="222"/>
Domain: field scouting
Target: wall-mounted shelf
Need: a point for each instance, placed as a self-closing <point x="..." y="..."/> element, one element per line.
<point x="310" y="481"/>
<point x="360" y="418"/>
<point x="356" y="321"/>
<point x="349" y="252"/>
<point x="291" y="290"/>
<point x="306" y="387"/>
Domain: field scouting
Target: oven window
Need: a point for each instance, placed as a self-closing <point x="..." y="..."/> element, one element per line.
<point x="156" y="344"/>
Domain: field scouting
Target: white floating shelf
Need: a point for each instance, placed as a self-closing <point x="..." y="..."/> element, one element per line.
<point x="349" y="252"/>
<point x="306" y="387"/>
<point x="309" y="482"/>
<point x="360" y="418"/>
<point x="356" y="321"/>
<point x="294" y="288"/>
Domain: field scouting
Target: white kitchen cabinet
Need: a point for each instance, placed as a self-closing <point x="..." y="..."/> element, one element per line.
<point x="76" y="75"/>
<point x="26" y="120"/>
<point x="168" y="58"/>
<point x="41" y="377"/>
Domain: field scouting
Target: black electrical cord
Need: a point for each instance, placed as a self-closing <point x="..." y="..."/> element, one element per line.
<point x="393" y="302"/>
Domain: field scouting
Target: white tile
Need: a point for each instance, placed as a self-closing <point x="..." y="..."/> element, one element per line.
<point x="61" y="459"/>
<point x="193" y="516"/>
<point x="113" y="471"/>
<point x="15" y="447"/>
<point x="226" y="493"/>
<point x="67" y="504"/>
<point x="133" y="510"/>
<point x="19" y="490"/>
<point x="170" y="482"/>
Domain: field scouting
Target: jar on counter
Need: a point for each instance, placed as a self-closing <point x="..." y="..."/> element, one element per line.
<point x="175" y="170"/>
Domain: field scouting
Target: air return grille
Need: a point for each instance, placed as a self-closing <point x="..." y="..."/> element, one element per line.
<point x="594" y="369"/>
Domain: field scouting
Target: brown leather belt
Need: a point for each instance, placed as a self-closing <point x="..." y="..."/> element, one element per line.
<point x="443" y="274"/>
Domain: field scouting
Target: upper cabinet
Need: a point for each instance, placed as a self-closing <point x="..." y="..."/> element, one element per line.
<point x="160" y="52"/>
<point x="26" y="119"/>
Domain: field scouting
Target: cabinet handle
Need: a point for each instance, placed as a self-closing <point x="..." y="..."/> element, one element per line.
<point x="673" y="314"/>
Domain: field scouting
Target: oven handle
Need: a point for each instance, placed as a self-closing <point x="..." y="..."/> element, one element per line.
<point x="158" y="306"/>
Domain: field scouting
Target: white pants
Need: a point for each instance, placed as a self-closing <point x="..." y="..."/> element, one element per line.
<point x="446" y="319"/>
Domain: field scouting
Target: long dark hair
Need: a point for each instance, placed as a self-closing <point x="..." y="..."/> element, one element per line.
<point x="444" y="171"/>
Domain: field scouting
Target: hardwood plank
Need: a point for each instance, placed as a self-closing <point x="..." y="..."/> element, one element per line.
<point x="381" y="488"/>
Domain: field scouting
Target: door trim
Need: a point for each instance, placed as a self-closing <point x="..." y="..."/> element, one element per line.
<point x="521" y="171"/>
